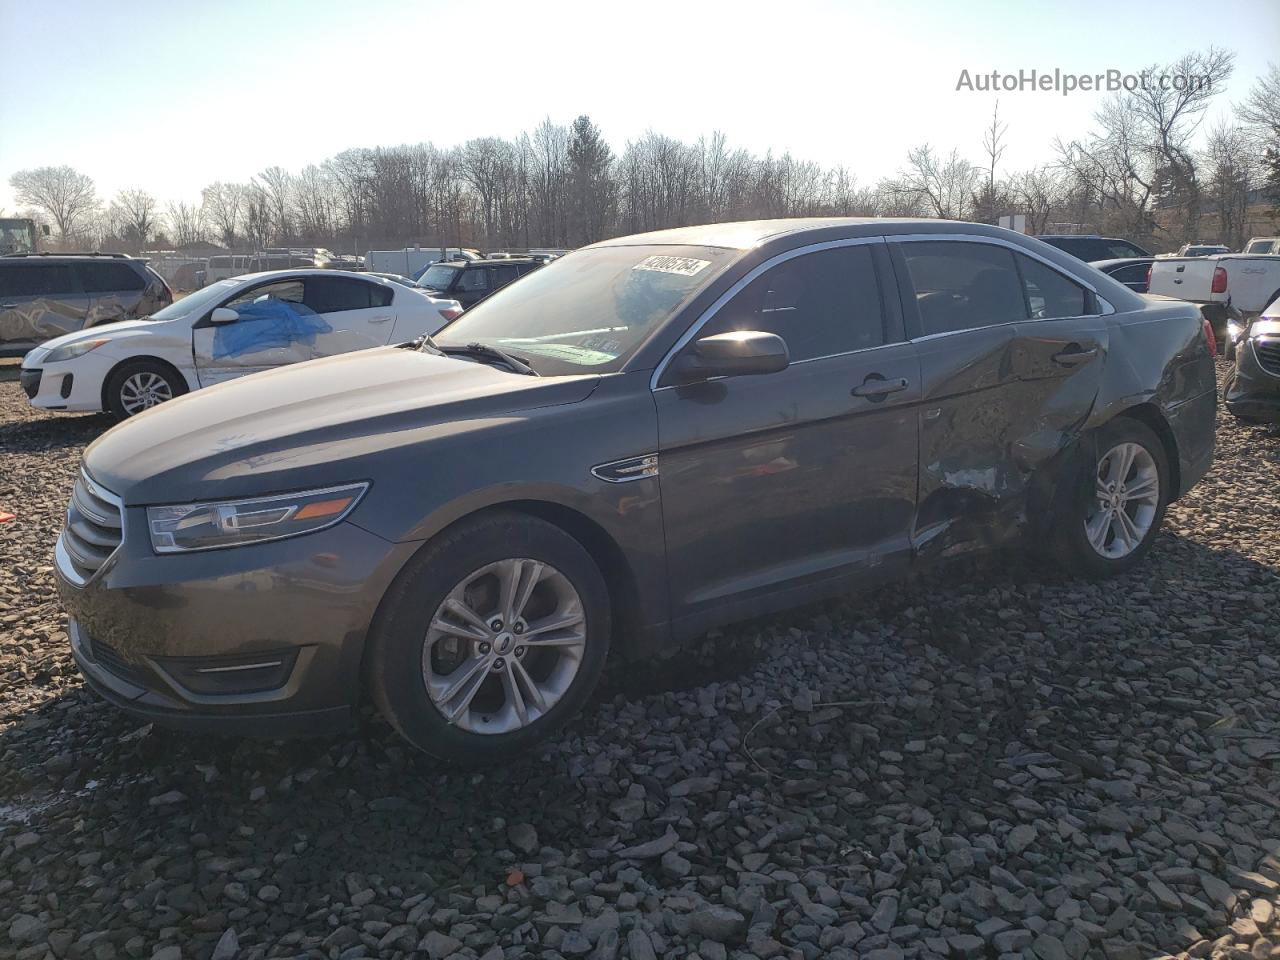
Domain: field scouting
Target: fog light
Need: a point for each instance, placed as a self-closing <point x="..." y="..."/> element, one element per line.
<point x="251" y="673"/>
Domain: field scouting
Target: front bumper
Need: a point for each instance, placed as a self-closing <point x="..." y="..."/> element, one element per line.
<point x="142" y="623"/>
<point x="1252" y="392"/>
<point x="73" y="387"/>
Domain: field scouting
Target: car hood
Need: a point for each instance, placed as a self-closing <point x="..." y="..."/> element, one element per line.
<point x="314" y="423"/>
<point x="120" y="328"/>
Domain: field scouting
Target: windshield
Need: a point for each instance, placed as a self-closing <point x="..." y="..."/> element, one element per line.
<point x="195" y="302"/>
<point x="437" y="276"/>
<point x="588" y="312"/>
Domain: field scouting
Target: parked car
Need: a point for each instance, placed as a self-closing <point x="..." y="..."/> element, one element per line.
<point x="1202" y="250"/>
<point x="1091" y="247"/>
<point x="227" y="330"/>
<point x="1258" y="245"/>
<point x="650" y="437"/>
<point x="1131" y="271"/>
<point x="1226" y="287"/>
<point x="1252" y="391"/>
<point x="46" y="295"/>
<point x="470" y="281"/>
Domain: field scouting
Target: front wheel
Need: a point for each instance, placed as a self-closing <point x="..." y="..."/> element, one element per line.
<point x="492" y="637"/>
<point x="1110" y="513"/>
<point x="141" y="385"/>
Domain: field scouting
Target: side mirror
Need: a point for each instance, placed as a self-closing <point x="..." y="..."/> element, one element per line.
<point x="737" y="354"/>
<point x="223" y="315"/>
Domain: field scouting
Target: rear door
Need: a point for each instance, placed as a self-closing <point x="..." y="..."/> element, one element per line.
<point x="963" y="300"/>
<point x="114" y="288"/>
<point x="358" y="314"/>
<point x="38" y="301"/>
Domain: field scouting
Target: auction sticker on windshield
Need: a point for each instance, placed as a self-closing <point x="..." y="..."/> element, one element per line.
<point x="685" y="266"/>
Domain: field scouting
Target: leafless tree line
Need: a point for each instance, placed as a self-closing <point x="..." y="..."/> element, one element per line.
<point x="1146" y="171"/>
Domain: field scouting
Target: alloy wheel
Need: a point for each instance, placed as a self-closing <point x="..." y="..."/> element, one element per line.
<point x="1126" y="500"/>
<point x="504" y="646"/>
<point x="144" y="390"/>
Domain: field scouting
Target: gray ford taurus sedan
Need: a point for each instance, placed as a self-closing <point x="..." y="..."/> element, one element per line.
<point x="651" y="436"/>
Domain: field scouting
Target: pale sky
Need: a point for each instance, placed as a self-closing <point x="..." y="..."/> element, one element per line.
<point x="169" y="96"/>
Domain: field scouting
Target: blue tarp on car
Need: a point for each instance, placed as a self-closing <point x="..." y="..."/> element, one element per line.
<point x="265" y="324"/>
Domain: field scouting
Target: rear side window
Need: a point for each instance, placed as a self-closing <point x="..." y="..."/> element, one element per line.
<point x="107" y="277"/>
<point x="961" y="286"/>
<point x="37" y="280"/>
<point x="335" y="294"/>
<point x="821" y="304"/>
<point x="1050" y="295"/>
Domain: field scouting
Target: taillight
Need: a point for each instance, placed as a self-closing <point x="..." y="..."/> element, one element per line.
<point x="1219" y="280"/>
<point x="1209" y="338"/>
<point x="451" y="313"/>
<point x="1149" y="269"/>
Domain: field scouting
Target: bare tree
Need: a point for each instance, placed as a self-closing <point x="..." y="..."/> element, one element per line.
<point x="66" y="196"/>
<point x="186" y="224"/>
<point x="223" y="205"/>
<point x="1232" y="170"/>
<point x="135" y="216"/>
<point x="943" y="185"/>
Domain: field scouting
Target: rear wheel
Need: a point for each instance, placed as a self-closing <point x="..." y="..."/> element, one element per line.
<point x="492" y="637"/>
<point x="141" y="385"/>
<point x="1111" y="511"/>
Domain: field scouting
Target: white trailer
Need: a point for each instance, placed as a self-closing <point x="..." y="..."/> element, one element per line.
<point x="411" y="260"/>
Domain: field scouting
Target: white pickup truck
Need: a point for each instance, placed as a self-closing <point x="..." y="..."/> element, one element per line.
<point x="1247" y="282"/>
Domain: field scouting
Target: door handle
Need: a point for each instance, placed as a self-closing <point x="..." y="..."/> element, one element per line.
<point x="379" y="319"/>
<point x="877" y="388"/>
<point x="1073" y="358"/>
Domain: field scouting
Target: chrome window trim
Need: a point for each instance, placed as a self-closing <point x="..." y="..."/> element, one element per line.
<point x="737" y="288"/>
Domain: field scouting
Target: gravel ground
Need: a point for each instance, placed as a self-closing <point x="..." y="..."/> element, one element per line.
<point x="989" y="763"/>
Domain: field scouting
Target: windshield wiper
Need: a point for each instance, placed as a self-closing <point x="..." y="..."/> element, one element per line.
<point x="486" y="350"/>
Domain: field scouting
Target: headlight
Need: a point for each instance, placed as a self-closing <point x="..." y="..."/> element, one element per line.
<point x="230" y="523"/>
<point x="69" y="351"/>
<point x="1234" y="330"/>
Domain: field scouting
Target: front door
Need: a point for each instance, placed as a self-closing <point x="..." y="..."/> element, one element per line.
<point x="275" y="327"/>
<point x="778" y="487"/>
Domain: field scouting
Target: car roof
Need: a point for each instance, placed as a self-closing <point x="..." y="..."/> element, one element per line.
<point x="55" y="257"/>
<point x="745" y="234"/>
<point x="1119" y="262"/>
<point x="303" y="272"/>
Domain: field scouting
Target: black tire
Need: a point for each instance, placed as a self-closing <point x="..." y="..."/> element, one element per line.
<point x="1068" y="540"/>
<point x="394" y="665"/>
<point x="117" y="404"/>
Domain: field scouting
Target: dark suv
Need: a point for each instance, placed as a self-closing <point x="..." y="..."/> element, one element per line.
<point x="470" y="281"/>
<point x="1091" y="247"/>
<point x="648" y="438"/>
<point x="44" y="295"/>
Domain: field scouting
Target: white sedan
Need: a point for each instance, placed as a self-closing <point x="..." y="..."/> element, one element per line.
<point x="227" y="330"/>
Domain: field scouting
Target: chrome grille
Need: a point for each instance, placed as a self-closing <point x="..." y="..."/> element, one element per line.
<point x="93" y="531"/>
<point x="1267" y="350"/>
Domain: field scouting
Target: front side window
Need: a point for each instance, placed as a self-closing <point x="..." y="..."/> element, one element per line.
<point x="290" y="291"/>
<point x="821" y="304"/>
<point x="589" y="311"/>
<point x="474" y="281"/>
<point x="1050" y="295"/>
<point x="962" y="286"/>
